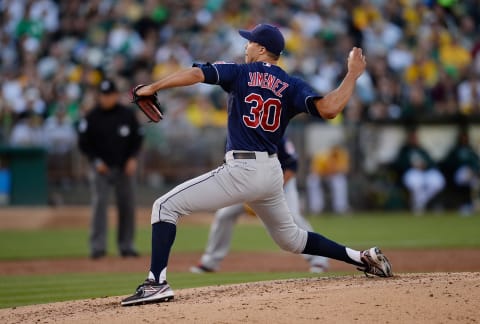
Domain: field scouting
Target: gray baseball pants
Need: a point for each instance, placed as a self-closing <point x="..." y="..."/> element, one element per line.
<point x="123" y="185"/>
<point x="259" y="182"/>
<point x="221" y="230"/>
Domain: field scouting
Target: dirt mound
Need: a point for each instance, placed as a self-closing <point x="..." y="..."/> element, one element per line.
<point x="406" y="298"/>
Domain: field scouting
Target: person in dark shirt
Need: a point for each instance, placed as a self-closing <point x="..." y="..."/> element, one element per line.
<point x="418" y="172"/>
<point x="461" y="167"/>
<point x="111" y="138"/>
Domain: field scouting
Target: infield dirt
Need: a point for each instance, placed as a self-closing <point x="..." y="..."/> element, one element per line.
<point x="406" y="298"/>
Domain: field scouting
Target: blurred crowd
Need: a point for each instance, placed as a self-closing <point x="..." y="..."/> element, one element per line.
<point x="423" y="58"/>
<point x="423" y="55"/>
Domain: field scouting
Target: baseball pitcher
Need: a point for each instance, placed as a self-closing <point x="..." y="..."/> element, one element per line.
<point x="262" y="98"/>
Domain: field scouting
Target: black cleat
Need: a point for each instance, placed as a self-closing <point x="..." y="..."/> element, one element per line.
<point x="375" y="263"/>
<point x="150" y="292"/>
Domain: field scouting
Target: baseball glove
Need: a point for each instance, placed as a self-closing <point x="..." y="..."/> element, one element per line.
<point x="150" y="105"/>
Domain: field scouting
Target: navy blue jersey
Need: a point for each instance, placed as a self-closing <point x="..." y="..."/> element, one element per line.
<point x="287" y="155"/>
<point x="262" y="98"/>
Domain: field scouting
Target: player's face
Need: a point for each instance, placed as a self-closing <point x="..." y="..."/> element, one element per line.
<point x="108" y="100"/>
<point x="253" y="51"/>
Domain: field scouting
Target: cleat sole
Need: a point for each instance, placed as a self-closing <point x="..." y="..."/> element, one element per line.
<point x="152" y="301"/>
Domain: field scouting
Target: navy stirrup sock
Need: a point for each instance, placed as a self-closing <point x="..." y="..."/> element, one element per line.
<point x="320" y="245"/>
<point x="163" y="236"/>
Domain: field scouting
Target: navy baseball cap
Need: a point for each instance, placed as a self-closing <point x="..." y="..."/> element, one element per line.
<point x="265" y="35"/>
<point x="107" y="86"/>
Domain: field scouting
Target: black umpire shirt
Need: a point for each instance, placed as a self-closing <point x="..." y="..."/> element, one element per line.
<point x="112" y="136"/>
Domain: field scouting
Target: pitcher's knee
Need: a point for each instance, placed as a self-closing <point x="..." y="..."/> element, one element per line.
<point x="163" y="211"/>
<point x="294" y="242"/>
<point x="288" y="246"/>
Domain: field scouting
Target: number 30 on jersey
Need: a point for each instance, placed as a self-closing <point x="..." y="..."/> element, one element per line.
<point x="263" y="113"/>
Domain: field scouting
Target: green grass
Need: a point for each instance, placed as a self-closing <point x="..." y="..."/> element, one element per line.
<point x="398" y="230"/>
<point x="53" y="288"/>
<point x="402" y="230"/>
<point x="392" y="230"/>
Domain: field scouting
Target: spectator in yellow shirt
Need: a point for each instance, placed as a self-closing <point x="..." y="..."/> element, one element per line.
<point x="423" y="69"/>
<point x="453" y="55"/>
<point x="332" y="166"/>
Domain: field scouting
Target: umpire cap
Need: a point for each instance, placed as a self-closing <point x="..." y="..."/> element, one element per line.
<point x="266" y="35"/>
<point x="107" y="86"/>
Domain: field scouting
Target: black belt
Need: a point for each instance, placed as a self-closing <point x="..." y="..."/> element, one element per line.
<point x="244" y="155"/>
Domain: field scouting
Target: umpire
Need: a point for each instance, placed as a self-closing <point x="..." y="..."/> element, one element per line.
<point x="111" y="138"/>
